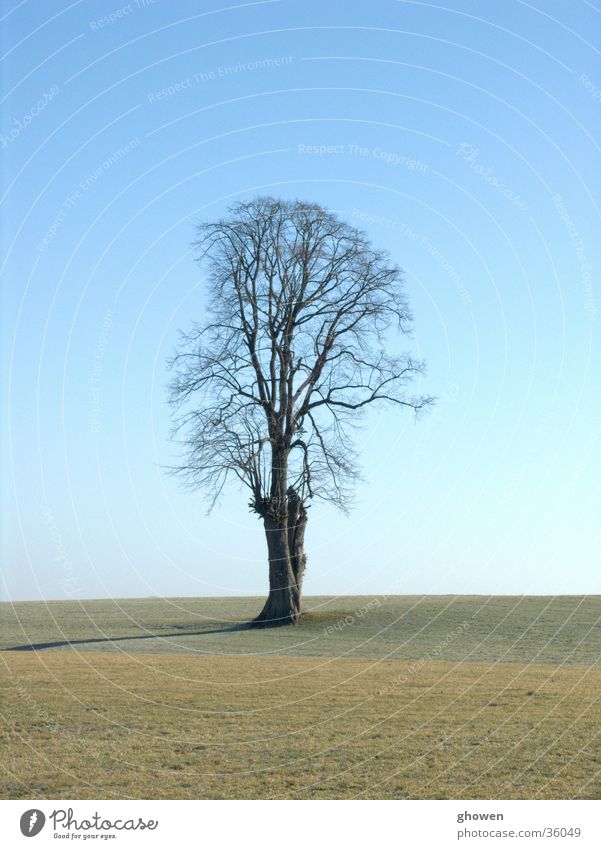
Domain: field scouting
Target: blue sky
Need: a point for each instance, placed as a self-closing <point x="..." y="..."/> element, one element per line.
<point x="463" y="137"/>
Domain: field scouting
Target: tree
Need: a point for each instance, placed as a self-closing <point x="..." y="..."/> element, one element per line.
<point x="270" y="387"/>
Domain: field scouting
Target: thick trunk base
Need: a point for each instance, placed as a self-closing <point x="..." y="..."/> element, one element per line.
<point x="279" y="609"/>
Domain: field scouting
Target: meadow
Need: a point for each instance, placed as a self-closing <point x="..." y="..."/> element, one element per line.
<point x="465" y="697"/>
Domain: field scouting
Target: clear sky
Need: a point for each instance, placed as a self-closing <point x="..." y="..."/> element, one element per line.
<point x="464" y="137"/>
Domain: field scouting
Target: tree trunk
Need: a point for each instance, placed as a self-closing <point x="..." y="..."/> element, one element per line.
<point x="283" y="603"/>
<point x="285" y="517"/>
<point x="297" y="522"/>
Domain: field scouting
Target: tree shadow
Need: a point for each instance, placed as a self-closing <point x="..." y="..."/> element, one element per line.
<point x="242" y="626"/>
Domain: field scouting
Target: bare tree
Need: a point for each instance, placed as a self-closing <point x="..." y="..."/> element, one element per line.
<point x="269" y="388"/>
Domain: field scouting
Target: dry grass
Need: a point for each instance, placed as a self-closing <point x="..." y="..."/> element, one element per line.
<point x="158" y="725"/>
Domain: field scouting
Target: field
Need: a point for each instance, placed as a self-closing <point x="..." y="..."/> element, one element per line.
<point x="371" y="697"/>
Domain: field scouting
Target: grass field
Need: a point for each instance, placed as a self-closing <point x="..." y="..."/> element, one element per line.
<point x="371" y="697"/>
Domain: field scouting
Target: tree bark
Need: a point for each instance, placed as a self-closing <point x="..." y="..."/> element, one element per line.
<point x="285" y="517"/>
<point x="297" y="522"/>
<point x="283" y="602"/>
